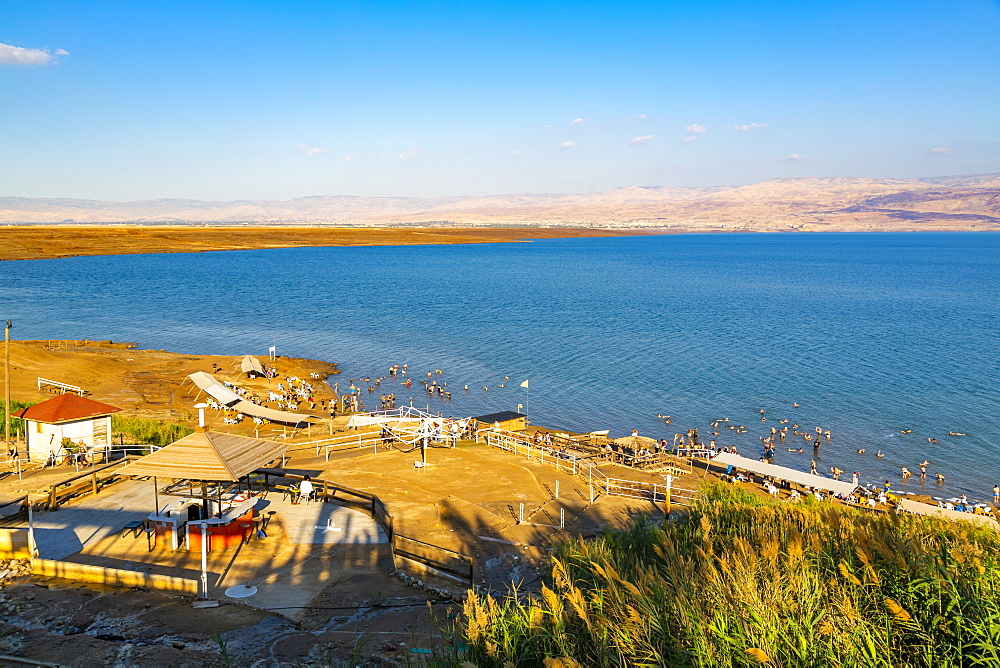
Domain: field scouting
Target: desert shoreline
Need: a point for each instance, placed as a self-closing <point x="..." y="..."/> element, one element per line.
<point x="46" y="242"/>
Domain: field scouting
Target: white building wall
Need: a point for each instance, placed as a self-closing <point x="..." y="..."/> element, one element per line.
<point x="44" y="440"/>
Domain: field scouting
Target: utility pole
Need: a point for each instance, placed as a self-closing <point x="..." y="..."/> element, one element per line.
<point x="6" y="384"/>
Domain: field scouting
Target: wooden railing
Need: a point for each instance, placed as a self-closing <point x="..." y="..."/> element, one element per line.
<point x="573" y="464"/>
<point x="89" y="482"/>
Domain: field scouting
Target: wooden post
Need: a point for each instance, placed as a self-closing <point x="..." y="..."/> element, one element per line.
<point x="670" y="480"/>
<point x="93" y="482"/>
<point x="6" y="386"/>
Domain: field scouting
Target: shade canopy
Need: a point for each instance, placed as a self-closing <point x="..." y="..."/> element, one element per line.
<point x="274" y="415"/>
<point x="206" y="455"/>
<point x="636" y="441"/>
<point x="230" y="399"/>
<point x="927" y="509"/>
<point x="250" y="363"/>
<point x="785" y="473"/>
<point x="208" y="383"/>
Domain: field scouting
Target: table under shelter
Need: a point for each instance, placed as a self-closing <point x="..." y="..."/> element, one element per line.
<point x="210" y="476"/>
<point x="842" y="487"/>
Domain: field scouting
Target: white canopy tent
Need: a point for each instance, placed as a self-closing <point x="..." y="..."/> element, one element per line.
<point x="250" y="363"/>
<point x="209" y="384"/>
<point x="250" y="408"/>
<point x="784" y="473"/>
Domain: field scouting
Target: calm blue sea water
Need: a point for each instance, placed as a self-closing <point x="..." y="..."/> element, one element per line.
<point x="870" y="333"/>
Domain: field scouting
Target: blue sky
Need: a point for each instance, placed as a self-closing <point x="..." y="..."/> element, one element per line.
<point x="254" y="100"/>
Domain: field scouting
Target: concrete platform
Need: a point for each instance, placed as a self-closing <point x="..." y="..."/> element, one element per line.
<point x="66" y="531"/>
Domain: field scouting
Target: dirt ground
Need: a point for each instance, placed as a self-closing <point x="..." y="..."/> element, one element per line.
<point x="36" y="242"/>
<point x="145" y="383"/>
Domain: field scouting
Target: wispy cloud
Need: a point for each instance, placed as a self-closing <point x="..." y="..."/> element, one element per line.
<point x="639" y="116"/>
<point x="746" y="127"/>
<point x="690" y="138"/>
<point x="695" y="128"/>
<point x="316" y="150"/>
<point x="409" y="153"/>
<point x="348" y="158"/>
<point x="578" y="121"/>
<point x="517" y="152"/>
<point x="645" y="139"/>
<point x="793" y="156"/>
<point x="567" y="144"/>
<point x="939" y="150"/>
<point x="16" y="55"/>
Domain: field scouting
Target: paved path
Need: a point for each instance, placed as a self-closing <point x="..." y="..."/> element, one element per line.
<point x="66" y="531"/>
<point x="323" y="523"/>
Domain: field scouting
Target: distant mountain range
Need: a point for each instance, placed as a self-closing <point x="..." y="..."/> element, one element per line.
<point x="940" y="203"/>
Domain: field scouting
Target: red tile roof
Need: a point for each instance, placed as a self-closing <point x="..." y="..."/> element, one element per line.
<point x="65" y="408"/>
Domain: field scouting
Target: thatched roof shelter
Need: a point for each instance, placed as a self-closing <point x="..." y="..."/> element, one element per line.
<point x="206" y="455"/>
<point x="636" y="441"/>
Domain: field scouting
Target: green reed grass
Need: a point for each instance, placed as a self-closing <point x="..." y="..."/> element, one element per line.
<point x="151" y="432"/>
<point x="744" y="581"/>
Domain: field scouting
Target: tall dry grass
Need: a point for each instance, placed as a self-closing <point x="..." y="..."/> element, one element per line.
<point x="151" y="432"/>
<point x="744" y="581"/>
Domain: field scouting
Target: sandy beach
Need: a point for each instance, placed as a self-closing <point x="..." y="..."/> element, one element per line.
<point x="39" y="242"/>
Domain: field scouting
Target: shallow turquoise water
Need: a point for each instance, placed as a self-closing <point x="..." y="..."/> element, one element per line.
<point x="870" y="333"/>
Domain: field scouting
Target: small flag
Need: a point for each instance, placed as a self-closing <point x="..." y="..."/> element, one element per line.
<point x="524" y="384"/>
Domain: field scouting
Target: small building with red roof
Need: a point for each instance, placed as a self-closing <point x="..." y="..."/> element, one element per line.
<point x="84" y="421"/>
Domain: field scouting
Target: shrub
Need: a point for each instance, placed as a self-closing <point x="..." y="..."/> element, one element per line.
<point x="151" y="432"/>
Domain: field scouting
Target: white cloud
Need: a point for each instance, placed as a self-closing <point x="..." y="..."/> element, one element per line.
<point x="939" y="150"/>
<point x="411" y="152"/>
<point x="577" y="121"/>
<point x="639" y="116"/>
<point x="793" y="156"/>
<point x="746" y="127"/>
<point x="550" y="125"/>
<point x="313" y="151"/>
<point x="645" y="139"/>
<point x="348" y="158"/>
<point x="567" y="144"/>
<point x="16" y="55"/>
<point x="690" y="138"/>
<point x="518" y="152"/>
<point x="695" y="128"/>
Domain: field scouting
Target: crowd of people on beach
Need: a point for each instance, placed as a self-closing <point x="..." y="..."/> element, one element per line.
<point x="818" y="438"/>
<point x="781" y="432"/>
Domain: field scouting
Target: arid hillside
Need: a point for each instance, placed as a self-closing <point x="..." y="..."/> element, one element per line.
<point x="848" y="204"/>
